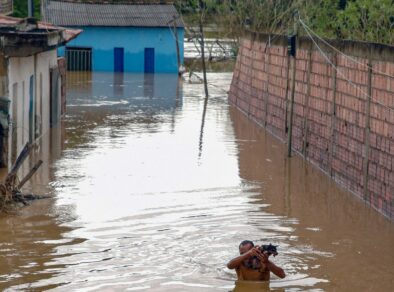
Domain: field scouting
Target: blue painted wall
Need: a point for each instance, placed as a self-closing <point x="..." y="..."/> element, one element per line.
<point x="134" y="40"/>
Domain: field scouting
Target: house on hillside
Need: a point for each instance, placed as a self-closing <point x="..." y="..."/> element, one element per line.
<point x="30" y="82"/>
<point x="120" y="37"/>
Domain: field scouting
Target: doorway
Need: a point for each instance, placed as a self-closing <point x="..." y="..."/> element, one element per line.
<point x="118" y="59"/>
<point x="149" y="60"/>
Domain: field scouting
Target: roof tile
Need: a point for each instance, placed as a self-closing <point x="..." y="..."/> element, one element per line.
<point x="87" y="14"/>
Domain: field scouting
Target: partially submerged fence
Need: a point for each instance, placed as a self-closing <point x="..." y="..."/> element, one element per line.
<point x="343" y="119"/>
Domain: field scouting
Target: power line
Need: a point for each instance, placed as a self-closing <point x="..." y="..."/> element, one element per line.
<point x="338" y="71"/>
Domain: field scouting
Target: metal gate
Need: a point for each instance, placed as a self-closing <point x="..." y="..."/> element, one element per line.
<point x="79" y="59"/>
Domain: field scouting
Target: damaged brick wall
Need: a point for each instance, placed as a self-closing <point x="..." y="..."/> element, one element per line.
<point x="336" y="126"/>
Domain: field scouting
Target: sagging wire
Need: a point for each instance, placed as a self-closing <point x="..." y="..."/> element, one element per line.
<point x="342" y="53"/>
<point x="338" y="71"/>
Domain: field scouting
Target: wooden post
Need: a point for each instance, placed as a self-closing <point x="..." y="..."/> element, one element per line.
<point x="294" y="59"/>
<point x="367" y="132"/>
<point x="290" y="133"/>
<point x="21" y="158"/>
<point x="333" y="115"/>
<point x="30" y="174"/>
<point x="203" y="50"/>
<point x="306" y="113"/>
<point x="267" y="57"/>
<point x="287" y="94"/>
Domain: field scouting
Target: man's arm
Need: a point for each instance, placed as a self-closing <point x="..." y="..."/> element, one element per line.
<point x="270" y="265"/>
<point x="275" y="269"/>
<point x="236" y="262"/>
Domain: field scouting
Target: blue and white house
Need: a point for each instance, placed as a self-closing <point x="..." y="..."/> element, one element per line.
<point x="120" y="37"/>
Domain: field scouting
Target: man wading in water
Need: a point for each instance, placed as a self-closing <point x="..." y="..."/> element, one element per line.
<point x="253" y="265"/>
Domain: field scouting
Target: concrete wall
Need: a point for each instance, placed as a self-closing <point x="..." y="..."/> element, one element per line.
<point x="335" y="125"/>
<point x="20" y="71"/>
<point x="134" y="40"/>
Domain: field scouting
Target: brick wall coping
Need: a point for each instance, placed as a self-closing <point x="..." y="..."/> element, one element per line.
<point x="378" y="52"/>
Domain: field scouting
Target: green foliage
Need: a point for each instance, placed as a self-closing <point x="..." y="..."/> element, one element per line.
<point x="342" y="4"/>
<point x="368" y="20"/>
<point x="20" y="8"/>
<point x="188" y="6"/>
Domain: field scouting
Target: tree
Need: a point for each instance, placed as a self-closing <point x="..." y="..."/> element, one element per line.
<point x="20" y="8"/>
<point x="367" y="20"/>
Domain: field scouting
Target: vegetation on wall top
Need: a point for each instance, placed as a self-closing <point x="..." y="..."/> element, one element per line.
<point x="367" y="20"/>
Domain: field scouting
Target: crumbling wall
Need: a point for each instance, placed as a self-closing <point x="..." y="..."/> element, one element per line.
<point x="343" y="110"/>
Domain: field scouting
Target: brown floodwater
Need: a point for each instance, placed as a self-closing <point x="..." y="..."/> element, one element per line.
<point x="153" y="189"/>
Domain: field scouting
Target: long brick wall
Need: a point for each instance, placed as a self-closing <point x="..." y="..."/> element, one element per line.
<point x="343" y="120"/>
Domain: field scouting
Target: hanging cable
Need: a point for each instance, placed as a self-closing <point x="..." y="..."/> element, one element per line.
<point x="340" y="72"/>
<point x="342" y="53"/>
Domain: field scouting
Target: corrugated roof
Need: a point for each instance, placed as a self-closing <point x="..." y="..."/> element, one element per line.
<point x="13" y="22"/>
<point x="87" y="14"/>
<point x="26" y="37"/>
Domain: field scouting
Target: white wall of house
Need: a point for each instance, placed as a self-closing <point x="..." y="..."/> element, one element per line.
<point x="20" y="72"/>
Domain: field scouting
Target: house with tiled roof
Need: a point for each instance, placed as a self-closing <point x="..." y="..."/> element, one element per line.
<point x="120" y="37"/>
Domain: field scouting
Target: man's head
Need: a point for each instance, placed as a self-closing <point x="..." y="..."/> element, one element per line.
<point x="245" y="246"/>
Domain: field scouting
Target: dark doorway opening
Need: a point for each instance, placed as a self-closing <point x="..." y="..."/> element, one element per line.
<point x="118" y="59"/>
<point x="149" y="60"/>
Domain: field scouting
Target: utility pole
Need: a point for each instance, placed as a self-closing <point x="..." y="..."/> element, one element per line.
<point x="204" y="69"/>
<point x="293" y="52"/>
<point x="30" y="8"/>
<point x="177" y="44"/>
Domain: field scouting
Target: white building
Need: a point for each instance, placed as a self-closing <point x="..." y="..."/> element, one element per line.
<point x="30" y="86"/>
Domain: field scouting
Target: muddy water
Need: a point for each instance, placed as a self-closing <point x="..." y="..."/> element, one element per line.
<point x="152" y="194"/>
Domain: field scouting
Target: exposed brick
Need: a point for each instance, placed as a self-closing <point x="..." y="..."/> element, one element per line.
<point x="257" y="84"/>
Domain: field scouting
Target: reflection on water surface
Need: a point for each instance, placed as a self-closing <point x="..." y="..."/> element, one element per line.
<point x="151" y="194"/>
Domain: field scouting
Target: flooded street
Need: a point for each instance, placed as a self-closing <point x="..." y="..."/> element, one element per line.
<point x="151" y="193"/>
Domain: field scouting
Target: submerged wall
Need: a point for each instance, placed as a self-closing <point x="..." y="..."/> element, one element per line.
<point x="343" y="118"/>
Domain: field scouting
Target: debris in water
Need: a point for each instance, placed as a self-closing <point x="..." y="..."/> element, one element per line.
<point x="10" y="193"/>
<point x="195" y="79"/>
